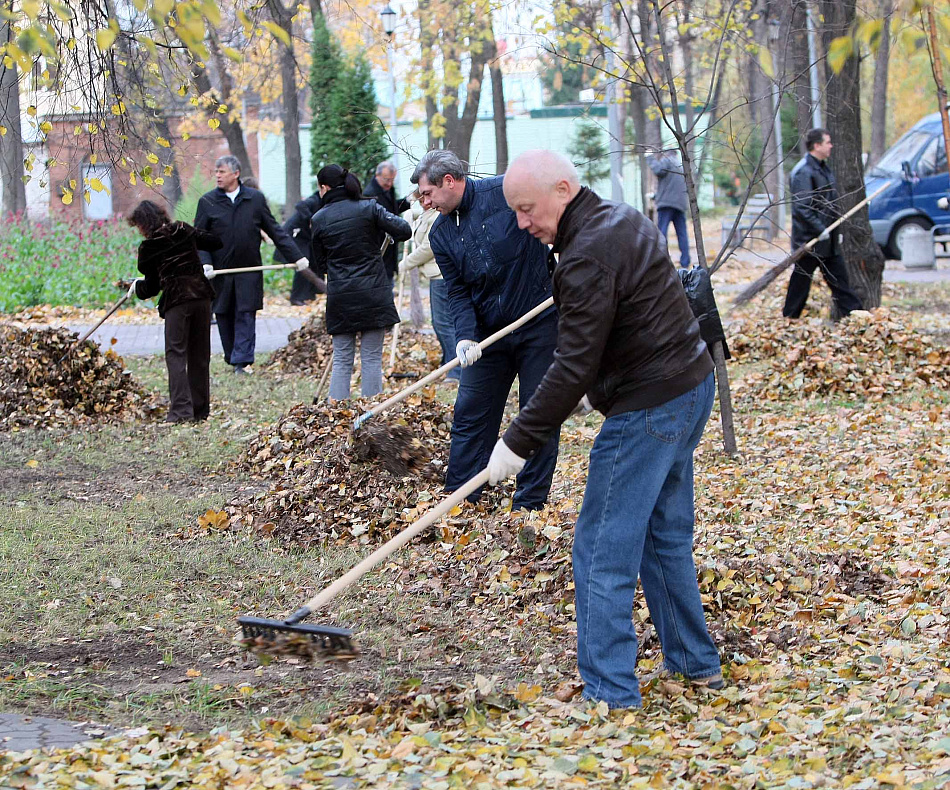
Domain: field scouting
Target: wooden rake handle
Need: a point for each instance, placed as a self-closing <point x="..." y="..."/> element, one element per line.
<point x="853" y="210"/>
<point x="243" y="269"/>
<point x="435" y="375"/>
<point x="99" y="323"/>
<point x="390" y="547"/>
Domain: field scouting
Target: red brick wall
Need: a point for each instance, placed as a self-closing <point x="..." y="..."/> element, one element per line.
<point x="70" y="152"/>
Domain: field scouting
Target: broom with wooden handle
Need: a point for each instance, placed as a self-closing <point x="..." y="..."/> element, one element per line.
<point x="339" y="640"/>
<point x="772" y="274"/>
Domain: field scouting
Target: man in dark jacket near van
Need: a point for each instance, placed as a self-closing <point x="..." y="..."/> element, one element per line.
<point x="237" y="214"/>
<point x="814" y="208"/>
<point x="494" y="274"/>
<point x="629" y="346"/>
<point x="381" y="189"/>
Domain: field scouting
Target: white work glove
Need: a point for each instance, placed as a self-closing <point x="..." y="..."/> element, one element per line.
<point x="503" y="463"/>
<point x="302" y="264"/>
<point x="468" y="352"/>
<point x="825" y="235"/>
<point x="943" y="204"/>
<point x="208" y="269"/>
<point x="583" y="406"/>
<point x="131" y="292"/>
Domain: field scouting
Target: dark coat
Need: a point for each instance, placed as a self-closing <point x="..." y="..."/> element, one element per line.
<point x="169" y="263"/>
<point x="387" y="199"/>
<point x="297" y="227"/>
<point x="347" y="235"/>
<point x="670" y="182"/>
<point x="494" y="271"/>
<point x="239" y="225"/>
<point x="626" y="335"/>
<point x="814" y="204"/>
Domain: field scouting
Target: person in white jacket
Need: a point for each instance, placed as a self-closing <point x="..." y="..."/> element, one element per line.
<point x="422" y="258"/>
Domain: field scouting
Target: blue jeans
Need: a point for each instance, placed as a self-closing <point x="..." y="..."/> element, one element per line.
<point x="480" y="405"/>
<point x="371" y="363"/>
<point x="238" y="332"/>
<point x="443" y="323"/>
<point x="637" y="520"/>
<point x="666" y="215"/>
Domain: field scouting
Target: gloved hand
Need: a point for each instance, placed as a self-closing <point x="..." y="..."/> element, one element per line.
<point x="209" y="271"/>
<point x="131" y="292"/>
<point x="302" y="264"/>
<point x="503" y="463"/>
<point x="583" y="407"/>
<point x="468" y="352"/>
<point x="825" y="235"/>
<point x="943" y="204"/>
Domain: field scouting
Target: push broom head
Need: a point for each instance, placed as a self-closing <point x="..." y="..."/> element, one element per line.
<point x="281" y="639"/>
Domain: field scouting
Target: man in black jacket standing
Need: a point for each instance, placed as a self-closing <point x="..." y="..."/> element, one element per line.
<point x="381" y="188"/>
<point x="814" y="208"/>
<point x="629" y="346"/>
<point x="297" y="226"/>
<point x="237" y="214"/>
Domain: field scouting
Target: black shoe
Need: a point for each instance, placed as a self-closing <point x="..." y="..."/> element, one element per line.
<point x="297" y="302"/>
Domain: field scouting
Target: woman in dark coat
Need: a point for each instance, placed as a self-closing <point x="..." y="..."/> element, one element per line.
<point x="347" y="234"/>
<point x="168" y="259"/>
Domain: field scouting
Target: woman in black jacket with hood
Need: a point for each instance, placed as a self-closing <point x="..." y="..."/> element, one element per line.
<point x="347" y="234"/>
<point x="168" y="259"/>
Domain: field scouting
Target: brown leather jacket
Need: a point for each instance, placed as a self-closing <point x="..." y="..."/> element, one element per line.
<point x="626" y="335"/>
<point x="169" y="260"/>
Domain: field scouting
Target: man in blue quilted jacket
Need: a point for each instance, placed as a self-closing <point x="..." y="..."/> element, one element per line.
<point x="494" y="274"/>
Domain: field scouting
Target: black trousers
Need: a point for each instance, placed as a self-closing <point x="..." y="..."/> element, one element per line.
<point x="187" y="356"/>
<point x="835" y="274"/>
<point x="302" y="290"/>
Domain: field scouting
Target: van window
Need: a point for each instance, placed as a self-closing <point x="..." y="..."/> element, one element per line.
<point x="933" y="160"/>
<point x="905" y="149"/>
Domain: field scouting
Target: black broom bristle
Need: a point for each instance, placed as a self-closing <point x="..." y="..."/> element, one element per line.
<point x="260" y="634"/>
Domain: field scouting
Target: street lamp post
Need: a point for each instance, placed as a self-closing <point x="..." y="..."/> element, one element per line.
<point x="388" y="16"/>
<point x="775" y="32"/>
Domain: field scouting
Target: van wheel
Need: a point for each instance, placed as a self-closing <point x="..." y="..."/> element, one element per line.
<point x="895" y="242"/>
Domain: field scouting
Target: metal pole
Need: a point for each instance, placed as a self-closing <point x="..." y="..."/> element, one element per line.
<point x="614" y="128"/>
<point x="813" y="68"/>
<point x="392" y="102"/>
<point x="779" y="154"/>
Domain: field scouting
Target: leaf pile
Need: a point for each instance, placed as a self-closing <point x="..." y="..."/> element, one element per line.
<point x="38" y="390"/>
<point x="309" y="348"/>
<point x="869" y="355"/>
<point x="326" y="485"/>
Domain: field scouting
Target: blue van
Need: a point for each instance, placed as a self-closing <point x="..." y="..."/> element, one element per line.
<point x="916" y="168"/>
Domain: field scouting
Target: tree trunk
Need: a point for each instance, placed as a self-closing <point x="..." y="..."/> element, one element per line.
<point x="171" y="188"/>
<point x="231" y="130"/>
<point x="863" y="257"/>
<point x="290" y="110"/>
<point x="882" y="61"/>
<point x="682" y="139"/>
<point x="801" y="87"/>
<point x="498" y="109"/>
<point x="416" y="314"/>
<point x="11" y="143"/>
<point x="316" y="11"/>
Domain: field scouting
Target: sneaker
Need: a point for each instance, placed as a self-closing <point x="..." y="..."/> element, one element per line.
<point x="242" y="370"/>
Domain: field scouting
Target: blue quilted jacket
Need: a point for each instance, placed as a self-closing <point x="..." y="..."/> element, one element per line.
<point x="494" y="271"/>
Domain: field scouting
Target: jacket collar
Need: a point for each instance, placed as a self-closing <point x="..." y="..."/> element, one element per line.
<point x="573" y="217"/>
<point x="468" y="196"/>
<point x="241" y="195"/>
<point x="816" y="162"/>
<point x="335" y="195"/>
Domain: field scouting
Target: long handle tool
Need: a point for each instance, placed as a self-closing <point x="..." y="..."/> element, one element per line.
<point x="339" y="640"/>
<point x="101" y="321"/>
<point x="435" y="375"/>
<point x="772" y="274"/>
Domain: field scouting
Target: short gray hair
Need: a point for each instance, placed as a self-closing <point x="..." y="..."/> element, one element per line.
<point x="436" y="165"/>
<point x="231" y="161"/>
<point x="383" y="166"/>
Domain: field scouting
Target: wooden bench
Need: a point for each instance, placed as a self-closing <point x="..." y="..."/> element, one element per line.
<point x="755" y="222"/>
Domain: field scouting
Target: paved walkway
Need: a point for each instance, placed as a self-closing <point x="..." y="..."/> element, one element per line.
<point x="19" y="733"/>
<point x="144" y="339"/>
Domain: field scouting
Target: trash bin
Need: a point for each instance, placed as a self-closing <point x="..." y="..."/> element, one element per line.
<point x="917" y="249"/>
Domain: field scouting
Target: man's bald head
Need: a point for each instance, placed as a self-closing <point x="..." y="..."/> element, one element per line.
<point x="538" y="186"/>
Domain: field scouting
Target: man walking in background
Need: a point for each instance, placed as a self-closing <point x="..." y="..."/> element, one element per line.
<point x="494" y="273"/>
<point x="237" y="214"/>
<point x="380" y="187"/>
<point x="814" y="208"/>
<point x="672" y="203"/>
